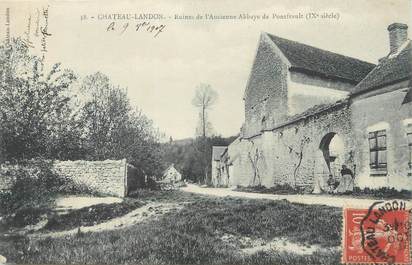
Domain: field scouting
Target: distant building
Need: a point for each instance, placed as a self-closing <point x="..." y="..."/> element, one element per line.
<point x="220" y="176"/>
<point x="171" y="175"/>
<point x="309" y="111"/>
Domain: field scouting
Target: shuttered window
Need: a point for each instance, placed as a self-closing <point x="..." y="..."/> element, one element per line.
<point x="378" y="153"/>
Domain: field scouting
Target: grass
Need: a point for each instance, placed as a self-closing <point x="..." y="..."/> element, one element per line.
<point x="277" y="189"/>
<point x="366" y="193"/>
<point x="92" y="215"/>
<point x="191" y="235"/>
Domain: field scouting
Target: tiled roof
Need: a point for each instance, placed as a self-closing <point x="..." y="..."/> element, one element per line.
<point x="315" y="110"/>
<point x="390" y="70"/>
<point x="217" y="151"/>
<point x="408" y="97"/>
<point x="314" y="60"/>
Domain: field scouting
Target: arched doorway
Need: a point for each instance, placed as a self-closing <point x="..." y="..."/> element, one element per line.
<point x="332" y="148"/>
<point x="328" y="160"/>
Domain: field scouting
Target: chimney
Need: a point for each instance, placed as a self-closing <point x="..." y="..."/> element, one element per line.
<point x="398" y="34"/>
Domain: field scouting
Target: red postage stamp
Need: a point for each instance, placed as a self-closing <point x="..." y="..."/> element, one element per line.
<point x="378" y="235"/>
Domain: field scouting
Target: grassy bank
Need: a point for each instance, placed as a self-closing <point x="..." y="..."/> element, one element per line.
<point x="92" y="215"/>
<point x="383" y="193"/>
<point x="193" y="235"/>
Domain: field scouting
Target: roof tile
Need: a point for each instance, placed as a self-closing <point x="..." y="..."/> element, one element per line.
<point x="308" y="58"/>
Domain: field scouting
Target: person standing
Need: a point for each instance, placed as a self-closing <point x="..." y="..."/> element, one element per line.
<point x="346" y="183"/>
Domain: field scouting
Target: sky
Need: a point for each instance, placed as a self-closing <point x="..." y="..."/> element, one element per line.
<point x="161" y="73"/>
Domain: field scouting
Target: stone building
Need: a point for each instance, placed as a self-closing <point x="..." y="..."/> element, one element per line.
<point x="170" y="174"/>
<point x="220" y="176"/>
<point x="309" y="111"/>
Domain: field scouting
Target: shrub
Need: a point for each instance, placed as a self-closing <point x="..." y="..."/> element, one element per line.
<point x="383" y="193"/>
<point x="34" y="183"/>
<point x="277" y="189"/>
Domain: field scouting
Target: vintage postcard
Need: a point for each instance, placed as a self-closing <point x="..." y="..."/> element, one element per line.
<point x="205" y="132"/>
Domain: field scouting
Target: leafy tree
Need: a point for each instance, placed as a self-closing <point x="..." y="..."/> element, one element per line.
<point x="33" y="103"/>
<point x="39" y="115"/>
<point x="188" y="159"/>
<point x="114" y="130"/>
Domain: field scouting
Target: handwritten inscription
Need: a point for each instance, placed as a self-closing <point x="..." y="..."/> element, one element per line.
<point x="27" y="34"/>
<point x="7" y="24"/>
<point x="44" y="30"/>
<point x="145" y="26"/>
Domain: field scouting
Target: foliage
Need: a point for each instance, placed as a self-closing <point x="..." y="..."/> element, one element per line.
<point x="34" y="106"/>
<point x="114" y="130"/>
<point x="191" y="158"/>
<point x="40" y="116"/>
<point x="256" y="157"/>
<point x="382" y="193"/>
<point x="276" y="189"/>
<point x="35" y="184"/>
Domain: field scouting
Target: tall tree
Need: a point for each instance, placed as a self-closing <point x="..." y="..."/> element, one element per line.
<point x="205" y="97"/>
<point x="114" y="129"/>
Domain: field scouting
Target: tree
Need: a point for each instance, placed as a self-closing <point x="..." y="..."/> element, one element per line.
<point x="114" y="129"/>
<point x="34" y="103"/>
<point x="205" y="97"/>
<point x="106" y="116"/>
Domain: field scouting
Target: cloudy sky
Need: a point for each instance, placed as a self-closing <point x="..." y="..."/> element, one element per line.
<point x="161" y="73"/>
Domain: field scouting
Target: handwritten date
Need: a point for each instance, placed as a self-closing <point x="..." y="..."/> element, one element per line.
<point x="145" y="26"/>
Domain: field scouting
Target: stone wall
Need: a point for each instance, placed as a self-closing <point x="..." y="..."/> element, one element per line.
<point x="107" y="177"/>
<point x="110" y="177"/>
<point x="305" y="91"/>
<point x="377" y="111"/>
<point x="279" y="149"/>
<point x="291" y="153"/>
<point x="266" y="91"/>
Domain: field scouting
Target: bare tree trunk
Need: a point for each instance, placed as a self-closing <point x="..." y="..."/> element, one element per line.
<point x="203" y="122"/>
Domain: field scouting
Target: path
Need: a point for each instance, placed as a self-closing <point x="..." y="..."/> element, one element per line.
<point x="136" y="216"/>
<point x="334" y="201"/>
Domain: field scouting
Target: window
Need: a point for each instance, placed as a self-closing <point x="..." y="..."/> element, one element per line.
<point x="409" y="137"/>
<point x="377" y="148"/>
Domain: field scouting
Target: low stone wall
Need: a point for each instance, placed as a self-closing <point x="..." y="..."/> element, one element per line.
<point x="107" y="177"/>
<point x="110" y="177"/>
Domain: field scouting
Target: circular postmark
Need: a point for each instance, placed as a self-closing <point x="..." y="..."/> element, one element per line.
<point x="385" y="232"/>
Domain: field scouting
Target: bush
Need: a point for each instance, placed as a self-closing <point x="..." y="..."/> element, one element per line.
<point x="34" y="183"/>
<point x="277" y="189"/>
<point x="383" y="193"/>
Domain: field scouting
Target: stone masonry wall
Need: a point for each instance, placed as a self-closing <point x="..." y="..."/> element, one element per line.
<point x="279" y="159"/>
<point x="377" y="111"/>
<point x="107" y="177"/>
<point x="266" y="93"/>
